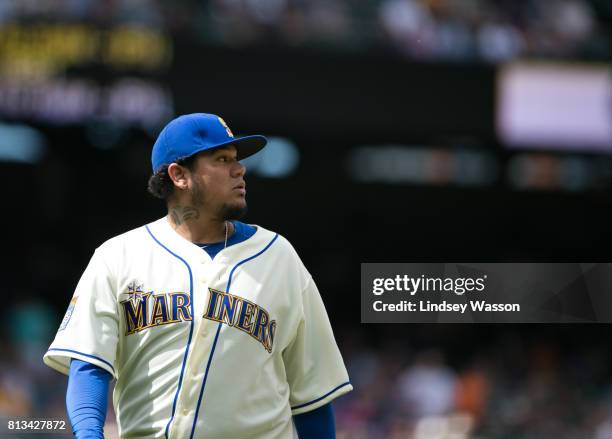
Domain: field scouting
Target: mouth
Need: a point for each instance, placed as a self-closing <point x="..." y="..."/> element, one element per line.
<point x="241" y="188"/>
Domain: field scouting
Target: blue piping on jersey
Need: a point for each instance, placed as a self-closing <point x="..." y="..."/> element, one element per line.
<point x="212" y="351"/>
<point x="180" y="383"/>
<point x="322" y="397"/>
<point x="85" y="355"/>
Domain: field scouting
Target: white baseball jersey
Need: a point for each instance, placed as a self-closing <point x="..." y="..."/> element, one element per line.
<point x="229" y="347"/>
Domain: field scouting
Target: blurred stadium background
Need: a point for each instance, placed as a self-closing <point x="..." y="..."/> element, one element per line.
<point x="402" y="130"/>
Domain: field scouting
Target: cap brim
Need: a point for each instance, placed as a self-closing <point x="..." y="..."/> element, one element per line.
<point x="246" y="146"/>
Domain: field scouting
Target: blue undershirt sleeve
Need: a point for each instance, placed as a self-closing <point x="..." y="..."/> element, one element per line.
<point x="86" y="399"/>
<point x="316" y="424"/>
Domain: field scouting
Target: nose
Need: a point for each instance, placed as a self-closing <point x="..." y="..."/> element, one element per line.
<point x="238" y="170"/>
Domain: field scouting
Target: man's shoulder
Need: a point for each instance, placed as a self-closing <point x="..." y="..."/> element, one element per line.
<point x="288" y="257"/>
<point x="280" y="244"/>
<point x="146" y="234"/>
<point x="272" y="237"/>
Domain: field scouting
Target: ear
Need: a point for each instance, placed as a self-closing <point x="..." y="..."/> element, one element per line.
<point x="179" y="175"/>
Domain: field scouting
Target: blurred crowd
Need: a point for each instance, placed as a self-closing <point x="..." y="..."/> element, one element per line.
<point x="28" y="388"/>
<point x="506" y="385"/>
<point x="491" y="30"/>
<point x="509" y="387"/>
<point x="427" y="30"/>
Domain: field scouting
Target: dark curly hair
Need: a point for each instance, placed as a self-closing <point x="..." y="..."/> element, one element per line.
<point x="160" y="184"/>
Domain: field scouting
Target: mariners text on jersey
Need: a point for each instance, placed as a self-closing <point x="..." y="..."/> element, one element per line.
<point x="152" y="310"/>
<point x="147" y="310"/>
<point x="241" y="314"/>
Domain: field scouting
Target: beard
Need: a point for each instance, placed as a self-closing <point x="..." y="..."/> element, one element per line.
<point x="232" y="212"/>
<point x="225" y="212"/>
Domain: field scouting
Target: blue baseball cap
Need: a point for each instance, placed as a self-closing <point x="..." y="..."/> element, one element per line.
<point x="193" y="133"/>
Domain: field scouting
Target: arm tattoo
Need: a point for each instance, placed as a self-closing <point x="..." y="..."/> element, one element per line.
<point x="180" y="214"/>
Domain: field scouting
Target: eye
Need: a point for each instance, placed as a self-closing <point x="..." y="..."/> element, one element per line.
<point x="226" y="158"/>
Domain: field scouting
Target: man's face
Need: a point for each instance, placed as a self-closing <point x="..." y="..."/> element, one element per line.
<point x="217" y="183"/>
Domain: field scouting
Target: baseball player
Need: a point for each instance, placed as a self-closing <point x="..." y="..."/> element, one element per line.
<point x="212" y="328"/>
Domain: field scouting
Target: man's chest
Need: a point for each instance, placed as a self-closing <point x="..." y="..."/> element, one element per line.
<point x="160" y="298"/>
